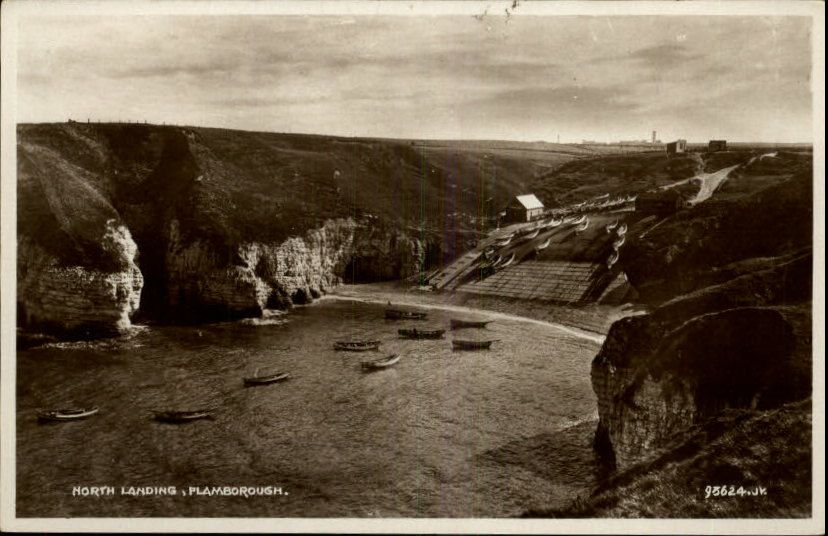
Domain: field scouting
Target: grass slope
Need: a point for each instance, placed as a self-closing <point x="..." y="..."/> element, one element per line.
<point x="227" y="185"/>
<point x="739" y="447"/>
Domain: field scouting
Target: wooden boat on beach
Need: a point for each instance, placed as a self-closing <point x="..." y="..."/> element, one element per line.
<point x="178" y="417"/>
<point x="415" y="333"/>
<point x="356" y="346"/>
<point x="532" y="235"/>
<point x="612" y="226"/>
<point x="508" y="262"/>
<point x="583" y="227"/>
<point x="67" y="414"/>
<point x="544" y="245"/>
<point x="460" y="324"/>
<point x="619" y="242"/>
<point x="613" y="258"/>
<point x="458" y="344"/>
<point x="505" y="242"/>
<point x="579" y="220"/>
<point x="399" y="314"/>
<point x="622" y="230"/>
<point x="379" y="364"/>
<point x="265" y="379"/>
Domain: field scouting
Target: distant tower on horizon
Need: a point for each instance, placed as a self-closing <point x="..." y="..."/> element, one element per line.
<point x="654" y="136"/>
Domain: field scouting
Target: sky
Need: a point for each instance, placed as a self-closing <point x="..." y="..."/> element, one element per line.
<point x="527" y="78"/>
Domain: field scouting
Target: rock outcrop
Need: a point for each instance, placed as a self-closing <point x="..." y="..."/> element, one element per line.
<point x="730" y="283"/>
<point x="225" y="223"/>
<point x="263" y="275"/>
<point x="749" y="450"/>
<point x="77" y="301"/>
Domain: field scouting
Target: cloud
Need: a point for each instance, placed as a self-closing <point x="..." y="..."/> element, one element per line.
<point x="660" y="56"/>
<point x="663" y="55"/>
<point x="592" y="77"/>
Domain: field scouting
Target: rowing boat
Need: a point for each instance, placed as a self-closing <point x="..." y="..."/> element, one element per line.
<point x="399" y="314"/>
<point x="619" y="242"/>
<point x="176" y="417"/>
<point x="544" y="245"/>
<point x="264" y="379"/>
<point x="382" y="363"/>
<point x="458" y="344"/>
<point x="421" y="334"/>
<point x="508" y="262"/>
<point x="504" y="242"/>
<point x="613" y="258"/>
<point x="622" y="230"/>
<point x="356" y="346"/>
<point x="460" y="324"/>
<point x="532" y="235"/>
<point x="582" y="227"/>
<point x="612" y="226"/>
<point x="68" y="414"/>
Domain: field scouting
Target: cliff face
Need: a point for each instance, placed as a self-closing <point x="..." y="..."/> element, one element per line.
<point x="742" y="448"/>
<point x="78" y="301"/>
<point x="203" y="224"/>
<point x="264" y="275"/>
<point x="731" y="320"/>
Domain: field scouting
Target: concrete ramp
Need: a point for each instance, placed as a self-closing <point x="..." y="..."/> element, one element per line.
<point x="555" y="281"/>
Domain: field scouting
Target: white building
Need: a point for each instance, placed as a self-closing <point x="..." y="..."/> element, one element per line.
<point x="524" y="208"/>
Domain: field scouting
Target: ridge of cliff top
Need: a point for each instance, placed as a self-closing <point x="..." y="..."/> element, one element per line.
<point x="227" y="185"/>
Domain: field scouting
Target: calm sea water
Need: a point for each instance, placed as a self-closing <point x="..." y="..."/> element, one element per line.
<point x="441" y="434"/>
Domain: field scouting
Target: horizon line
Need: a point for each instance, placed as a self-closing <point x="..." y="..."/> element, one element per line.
<point x="629" y="142"/>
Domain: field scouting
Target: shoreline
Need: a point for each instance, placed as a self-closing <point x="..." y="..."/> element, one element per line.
<point x="577" y="332"/>
<point x="591" y="322"/>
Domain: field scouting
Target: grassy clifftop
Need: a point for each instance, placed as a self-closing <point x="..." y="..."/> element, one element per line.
<point x="227" y="185"/>
<point x="614" y="174"/>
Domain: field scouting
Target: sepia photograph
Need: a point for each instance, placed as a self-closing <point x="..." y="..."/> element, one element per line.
<point x="499" y="267"/>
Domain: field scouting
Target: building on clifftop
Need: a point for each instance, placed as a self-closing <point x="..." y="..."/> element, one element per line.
<point x="716" y="145"/>
<point x="524" y="208"/>
<point x="676" y="147"/>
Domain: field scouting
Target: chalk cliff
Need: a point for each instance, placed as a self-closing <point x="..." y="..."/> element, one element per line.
<point x="188" y="224"/>
<point x="77" y="301"/>
<point x="730" y="287"/>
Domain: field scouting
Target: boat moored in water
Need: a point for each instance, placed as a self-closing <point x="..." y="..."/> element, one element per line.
<point x="264" y="379"/>
<point x="379" y="364"/>
<point x="67" y="414"/>
<point x="177" y="417"/>
<point x="460" y="324"/>
<point x="458" y="344"/>
<point x="356" y="346"/>
<point x="400" y="314"/>
<point x="415" y="333"/>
